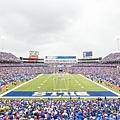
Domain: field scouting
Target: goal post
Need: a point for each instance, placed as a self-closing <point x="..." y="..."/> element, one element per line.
<point x="60" y="82"/>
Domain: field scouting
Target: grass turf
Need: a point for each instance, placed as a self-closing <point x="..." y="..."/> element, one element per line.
<point x="60" y="82"/>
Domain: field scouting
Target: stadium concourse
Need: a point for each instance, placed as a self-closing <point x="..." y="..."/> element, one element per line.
<point x="13" y="71"/>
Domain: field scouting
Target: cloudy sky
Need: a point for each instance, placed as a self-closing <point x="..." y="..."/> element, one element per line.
<point x="59" y="27"/>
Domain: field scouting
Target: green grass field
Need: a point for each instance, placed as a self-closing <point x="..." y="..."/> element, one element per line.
<point x="60" y="82"/>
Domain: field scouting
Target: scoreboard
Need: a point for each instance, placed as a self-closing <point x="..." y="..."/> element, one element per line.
<point x="33" y="56"/>
<point x="87" y="54"/>
<point x="33" y="53"/>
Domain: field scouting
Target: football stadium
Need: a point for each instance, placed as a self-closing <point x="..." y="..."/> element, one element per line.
<point x="66" y="83"/>
<point x="59" y="59"/>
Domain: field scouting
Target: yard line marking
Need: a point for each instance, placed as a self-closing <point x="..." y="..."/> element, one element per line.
<point x="65" y="82"/>
<point x="75" y="80"/>
<point x="45" y="80"/>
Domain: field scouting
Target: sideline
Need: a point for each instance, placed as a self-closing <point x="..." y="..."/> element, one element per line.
<point x="101" y="85"/>
<point x="19" y="86"/>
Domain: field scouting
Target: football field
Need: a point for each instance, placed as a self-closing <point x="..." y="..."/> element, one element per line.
<point x="56" y="85"/>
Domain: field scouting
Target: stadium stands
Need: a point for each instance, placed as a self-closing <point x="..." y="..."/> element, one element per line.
<point x="112" y="57"/>
<point x="9" y="74"/>
<point x="8" y="57"/>
<point x="11" y="68"/>
<point x="98" y="109"/>
<point x="111" y="74"/>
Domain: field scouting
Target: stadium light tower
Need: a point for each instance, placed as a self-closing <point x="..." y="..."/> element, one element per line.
<point x="2" y="40"/>
<point x="118" y="39"/>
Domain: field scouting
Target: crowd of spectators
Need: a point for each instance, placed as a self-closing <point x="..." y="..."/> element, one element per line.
<point x="97" y="109"/>
<point x="112" y="57"/>
<point x="8" y="57"/>
<point x="9" y="74"/>
<point x="35" y="64"/>
<point x="11" y="64"/>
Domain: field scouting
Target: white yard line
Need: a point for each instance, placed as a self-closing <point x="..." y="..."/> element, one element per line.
<point x="75" y="79"/>
<point x="19" y="86"/>
<point x="101" y="85"/>
<point x="65" y="82"/>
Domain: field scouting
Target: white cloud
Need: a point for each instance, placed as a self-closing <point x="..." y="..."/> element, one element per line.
<point x="60" y="27"/>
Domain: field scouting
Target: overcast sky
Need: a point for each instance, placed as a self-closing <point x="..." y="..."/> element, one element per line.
<point x="59" y="27"/>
